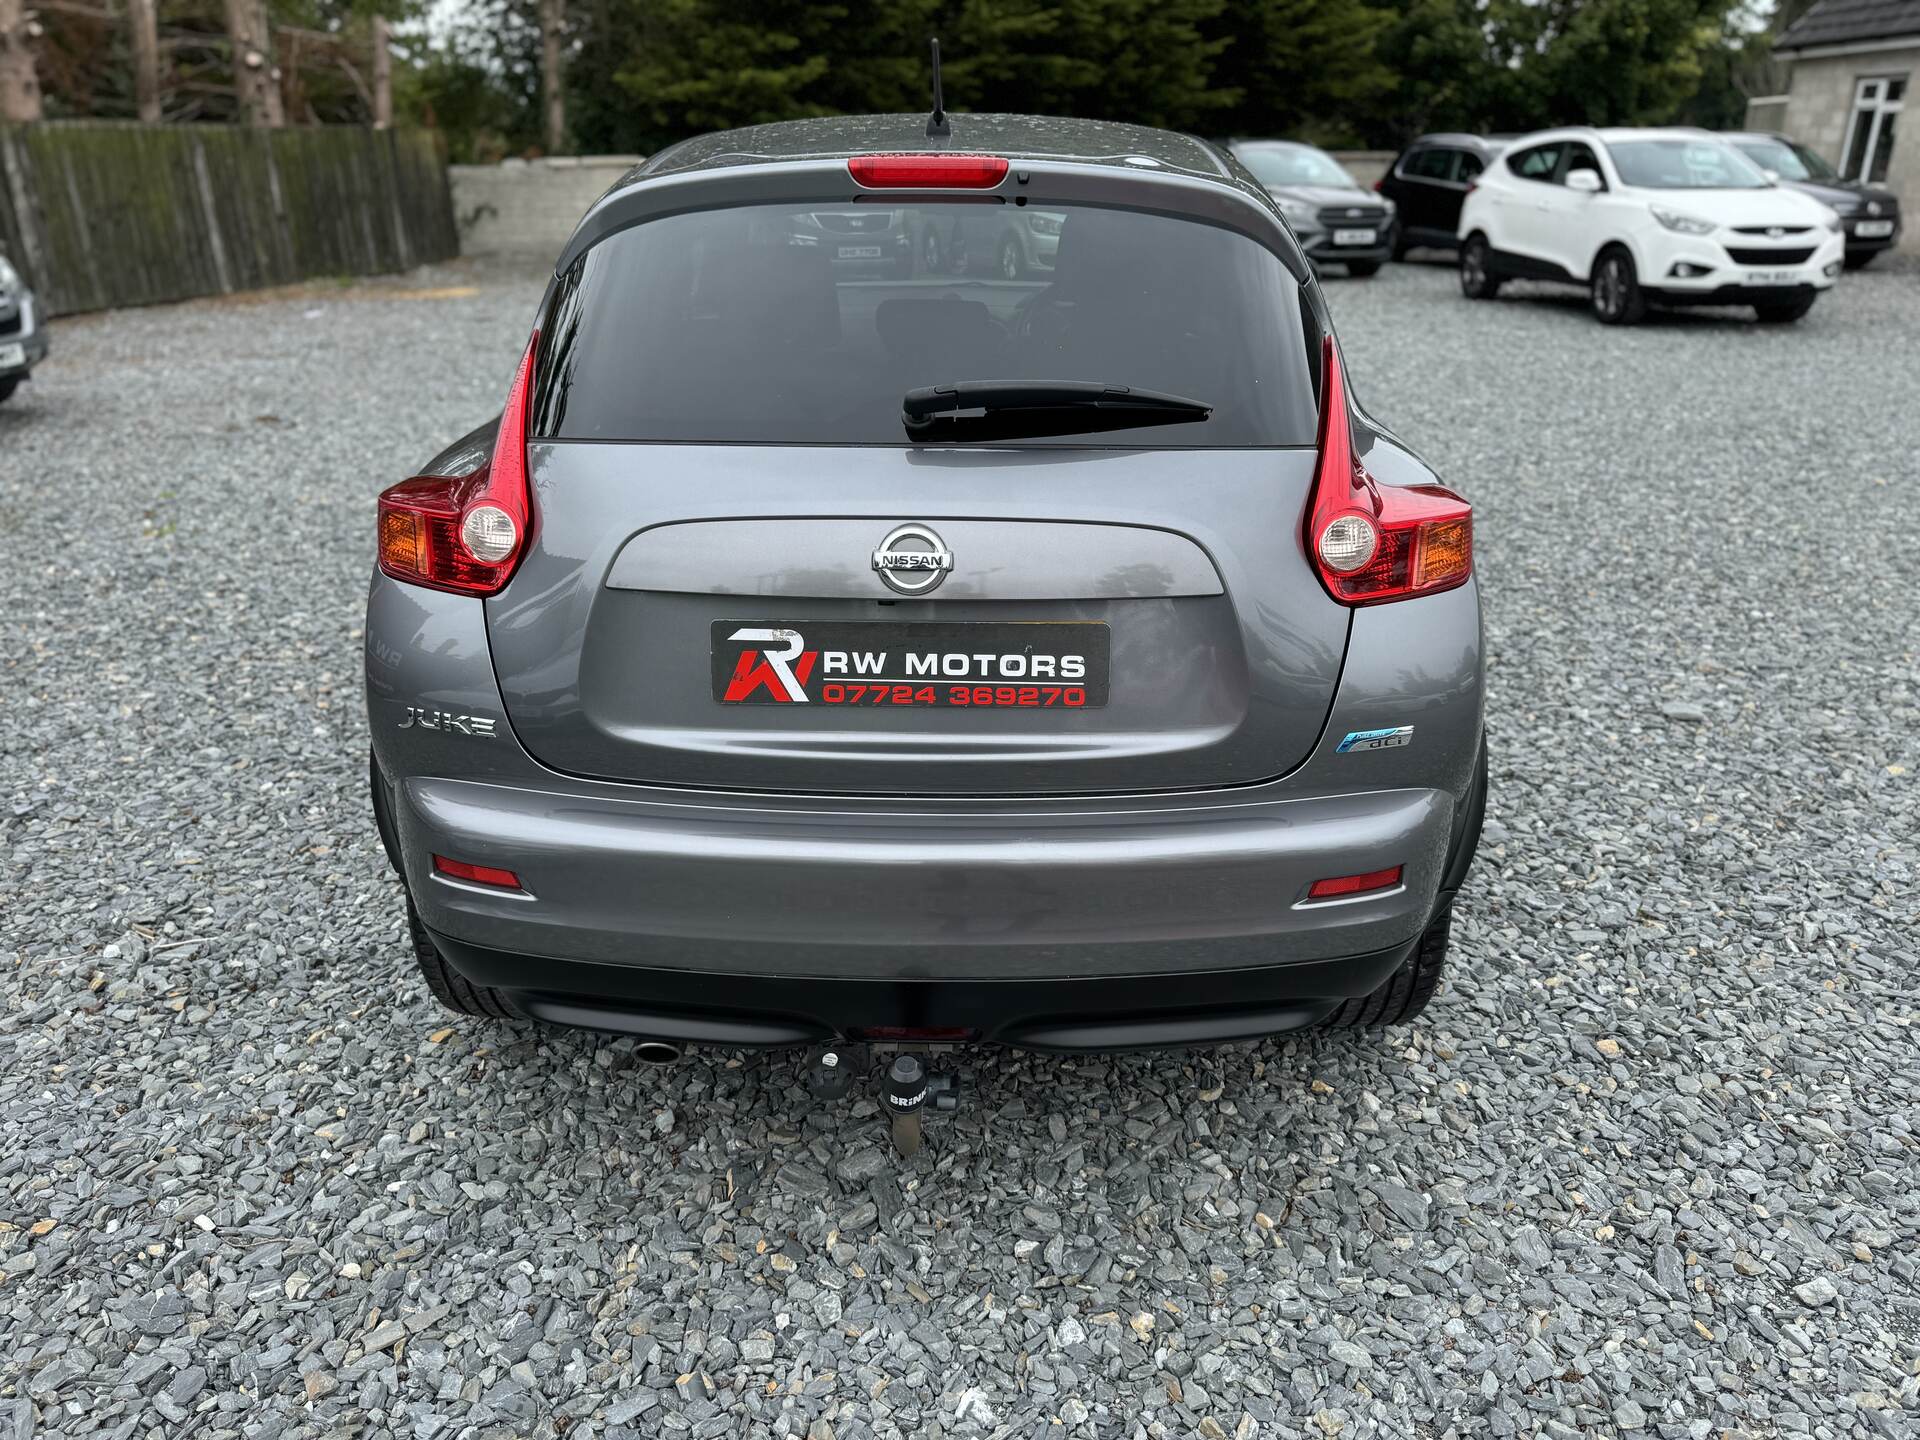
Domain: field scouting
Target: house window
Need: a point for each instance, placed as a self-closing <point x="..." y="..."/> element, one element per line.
<point x="1876" y="105"/>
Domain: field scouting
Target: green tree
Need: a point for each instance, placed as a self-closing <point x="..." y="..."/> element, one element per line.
<point x="1453" y="70"/>
<point x="1151" y="62"/>
<point x="1615" y="62"/>
<point x="1305" y="67"/>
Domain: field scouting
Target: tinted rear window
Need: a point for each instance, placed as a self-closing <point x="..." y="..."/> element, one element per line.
<point x="767" y="324"/>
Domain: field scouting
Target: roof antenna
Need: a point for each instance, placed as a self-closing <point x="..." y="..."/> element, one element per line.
<point x="937" y="122"/>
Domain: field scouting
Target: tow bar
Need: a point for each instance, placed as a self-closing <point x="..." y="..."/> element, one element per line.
<point x="906" y="1089"/>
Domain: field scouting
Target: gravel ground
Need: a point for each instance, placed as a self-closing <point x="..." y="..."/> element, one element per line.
<point x="1647" y="1166"/>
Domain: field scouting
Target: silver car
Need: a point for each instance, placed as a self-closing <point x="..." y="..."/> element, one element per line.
<point x="23" y="331"/>
<point x="1333" y="218"/>
<point x="809" y="659"/>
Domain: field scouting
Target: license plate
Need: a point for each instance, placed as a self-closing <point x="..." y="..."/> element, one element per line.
<point x="1353" y="237"/>
<point x="1773" y="277"/>
<point x="910" y="664"/>
<point x="859" y="252"/>
<point x="11" y="355"/>
<point x="1873" y="229"/>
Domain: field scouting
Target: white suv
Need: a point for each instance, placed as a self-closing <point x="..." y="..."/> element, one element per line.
<point x="1640" y="217"/>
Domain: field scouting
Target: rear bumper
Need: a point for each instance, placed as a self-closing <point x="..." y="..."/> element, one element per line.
<point x="1133" y="1012"/>
<point x="1735" y="294"/>
<point x="919" y="894"/>
<point x="1322" y="251"/>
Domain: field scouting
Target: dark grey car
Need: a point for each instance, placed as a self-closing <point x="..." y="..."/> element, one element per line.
<point x="1334" y="219"/>
<point x="23" y="331"/>
<point x="1061" y="661"/>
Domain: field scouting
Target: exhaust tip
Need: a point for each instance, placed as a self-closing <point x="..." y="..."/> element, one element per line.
<point x="657" y="1052"/>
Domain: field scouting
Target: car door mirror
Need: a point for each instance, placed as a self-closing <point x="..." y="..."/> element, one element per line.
<point x="1773" y="176"/>
<point x="1587" y="182"/>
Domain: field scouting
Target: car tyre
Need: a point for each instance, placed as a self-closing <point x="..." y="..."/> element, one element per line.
<point x="1405" y="993"/>
<point x="1615" y="291"/>
<point x="1012" y="263"/>
<point x="1477" y="280"/>
<point x="451" y="988"/>
<point x="1784" y="314"/>
<point x="1860" y="259"/>
<point x="1363" y="269"/>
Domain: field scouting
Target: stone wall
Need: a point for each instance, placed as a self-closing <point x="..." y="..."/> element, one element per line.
<point x="527" y="208"/>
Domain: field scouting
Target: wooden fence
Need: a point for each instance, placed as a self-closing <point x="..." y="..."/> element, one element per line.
<point x="105" y="213"/>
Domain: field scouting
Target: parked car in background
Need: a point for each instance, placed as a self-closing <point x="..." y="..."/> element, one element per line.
<point x="1030" y="663"/>
<point x="1640" y="217"/>
<point x="1428" y="182"/>
<point x="23" y="335"/>
<point x="864" y="240"/>
<point x="1870" y="213"/>
<point x="1004" y="242"/>
<point x="1333" y="217"/>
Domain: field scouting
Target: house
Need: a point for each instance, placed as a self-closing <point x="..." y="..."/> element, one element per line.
<point x="1849" y="67"/>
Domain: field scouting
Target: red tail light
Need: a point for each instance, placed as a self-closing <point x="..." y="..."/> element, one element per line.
<point x="1380" y="185"/>
<point x="910" y="171"/>
<point x="466" y="533"/>
<point x="1370" y="542"/>
<point x="477" y="874"/>
<point x="1344" y="885"/>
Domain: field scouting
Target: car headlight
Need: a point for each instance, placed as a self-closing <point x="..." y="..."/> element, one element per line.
<point x="9" y="277"/>
<point x="1683" y="224"/>
<point x="1295" y="210"/>
<point x="1835" y="223"/>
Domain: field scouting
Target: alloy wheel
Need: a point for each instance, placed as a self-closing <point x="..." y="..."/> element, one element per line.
<point x="1610" y="292"/>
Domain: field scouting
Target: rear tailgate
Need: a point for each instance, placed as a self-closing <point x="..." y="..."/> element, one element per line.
<point x="1189" y="643"/>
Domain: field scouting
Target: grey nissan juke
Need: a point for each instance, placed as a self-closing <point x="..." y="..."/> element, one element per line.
<point x="826" y="653"/>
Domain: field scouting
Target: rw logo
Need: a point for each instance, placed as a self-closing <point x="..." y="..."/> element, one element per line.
<point x="783" y="668"/>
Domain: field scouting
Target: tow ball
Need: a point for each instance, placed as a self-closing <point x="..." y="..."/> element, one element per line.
<point x="906" y="1089"/>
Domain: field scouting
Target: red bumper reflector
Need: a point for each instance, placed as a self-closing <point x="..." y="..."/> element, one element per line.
<point x="939" y="171"/>
<point x="1341" y="885"/>
<point x="477" y="874"/>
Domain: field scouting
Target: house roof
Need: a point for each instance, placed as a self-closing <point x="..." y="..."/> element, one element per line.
<point x="1852" y="22"/>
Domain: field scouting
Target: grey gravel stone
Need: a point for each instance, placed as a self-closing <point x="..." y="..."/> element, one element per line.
<point x="1350" y="1354"/>
<point x="1486" y="1223"/>
<point x="1817" y="1291"/>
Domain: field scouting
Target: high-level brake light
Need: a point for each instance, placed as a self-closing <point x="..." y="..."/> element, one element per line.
<point x="1371" y="543"/>
<point x="935" y="171"/>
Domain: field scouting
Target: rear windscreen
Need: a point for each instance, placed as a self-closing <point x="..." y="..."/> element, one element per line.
<point x="773" y="325"/>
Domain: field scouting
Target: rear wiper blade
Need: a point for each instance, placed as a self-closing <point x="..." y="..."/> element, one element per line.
<point x="1005" y="409"/>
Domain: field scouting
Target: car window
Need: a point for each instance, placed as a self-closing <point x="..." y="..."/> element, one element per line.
<point x="1814" y="164"/>
<point x="1470" y="166"/>
<point x="1580" y="156"/>
<point x="1537" y="162"/>
<point x="1684" y="165"/>
<point x="1434" y="164"/>
<point x="1294" y="165"/>
<point x="770" y="324"/>
<point x="1789" y="162"/>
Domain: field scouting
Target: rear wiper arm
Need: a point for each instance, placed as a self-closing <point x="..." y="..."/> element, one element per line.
<point x="1003" y="409"/>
